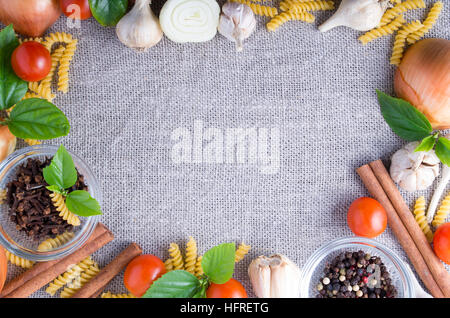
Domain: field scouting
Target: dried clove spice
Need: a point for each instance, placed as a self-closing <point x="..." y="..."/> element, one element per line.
<point x="30" y="205"/>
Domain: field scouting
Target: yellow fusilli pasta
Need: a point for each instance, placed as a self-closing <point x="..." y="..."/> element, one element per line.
<point x="168" y="265"/>
<point x="295" y="6"/>
<point x="176" y="257"/>
<point x="382" y="31"/>
<point x="32" y="142"/>
<point x="111" y="295"/>
<point x="52" y="243"/>
<point x="80" y="281"/>
<point x="18" y="261"/>
<point x="442" y="212"/>
<point x="421" y="219"/>
<point x="198" y="267"/>
<point x="400" y="40"/>
<point x="68" y="276"/>
<point x="64" y="64"/>
<point x="191" y="255"/>
<point x="427" y="24"/>
<point x="3" y="193"/>
<point x="60" y="204"/>
<point x="39" y="40"/>
<point x="47" y="81"/>
<point x="399" y="9"/>
<point x="241" y="252"/>
<point x="259" y="9"/>
<point x="57" y="37"/>
<point x="41" y="91"/>
<point x="283" y="17"/>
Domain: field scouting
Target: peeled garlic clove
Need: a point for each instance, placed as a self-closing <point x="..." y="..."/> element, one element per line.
<point x="361" y="15"/>
<point x="275" y="276"/>
<point x="190" y="20"/>
<point x="237" y="22"/>
<point x="139" y="28"/>
<point x="7" y="142"/>
<point x="414" y="171"/>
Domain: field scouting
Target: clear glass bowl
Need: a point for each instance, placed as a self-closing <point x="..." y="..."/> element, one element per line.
<point x="401" y="275"/>
<point x="17" y="242"/>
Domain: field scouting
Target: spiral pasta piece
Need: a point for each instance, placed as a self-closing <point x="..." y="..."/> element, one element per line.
<point x="319" y="5"/>
<point x="111" y="295"/>
<point x="37" y="39"/>
<point x="60" y="204"/>
<point x="241" y="252"/>
<point x="428" y="23"/>
<point x="168" y="265"/>
<point x="190" y="21"/>
<point x="64" y="65"/>
<point x="283" y="17"/>
<point x="32" y="142"/>
<point x="176" y="257"/>
<point x="3" y="193"/>
<point x="41" y="91"/>
<point x="400" y="40"/>
<point x="382" y="31"/>
<point x="80" y="281"/>
<point x="421" y="219"/>
<point x="442" y="212"/>
<point x="18" y="261"/>
<point x="198" y="267"/>
<point x="52" y="243"/>
<point x="259" y="9"/>
<point x="191" y="255"/>
<point x="400" y="8"/>
<point x="68" y="276"/>
<point x="47" y="81"/>
<point x="57" y="37"/>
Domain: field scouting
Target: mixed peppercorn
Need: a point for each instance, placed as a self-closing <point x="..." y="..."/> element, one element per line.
<point x="356" y="275"/>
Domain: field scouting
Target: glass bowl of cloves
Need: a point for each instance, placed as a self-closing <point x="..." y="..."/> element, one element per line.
<point x="35" y="186"/>
<point x="356" y="267"/>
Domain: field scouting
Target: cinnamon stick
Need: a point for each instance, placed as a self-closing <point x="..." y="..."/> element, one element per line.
<point x="436" y="267"/>
<point x="99" y="282"/>
<point x="43" y="273"/>
<point x="401" y="233"/>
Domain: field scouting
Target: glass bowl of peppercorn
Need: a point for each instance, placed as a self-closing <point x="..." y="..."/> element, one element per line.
<point x="31" y="223"/>
<point x="356" y="267"/>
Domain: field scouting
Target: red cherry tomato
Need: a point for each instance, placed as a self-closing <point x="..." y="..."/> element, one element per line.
<point x="141" y="272"/>
<point x="366" y="217"/>
<point x="231" y="289"/>
<point x="31" y="61"/>
<point x="441" y="242"/>
<point x="76" y="9"/>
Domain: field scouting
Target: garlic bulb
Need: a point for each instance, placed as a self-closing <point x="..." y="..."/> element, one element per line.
<point x="190" y="20"/>
<point x="139" y="28"/>
<point x="412" y="170"/>
<point x="361" y="15"/>
<point x="274" y="277"/>
<point x="237" y="22"/>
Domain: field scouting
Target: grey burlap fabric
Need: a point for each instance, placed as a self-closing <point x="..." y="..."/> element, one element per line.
<point x="317" y="89"/>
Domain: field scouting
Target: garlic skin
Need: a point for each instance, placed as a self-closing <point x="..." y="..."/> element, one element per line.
<point x="274" y="277"/>
<point x="361" y="15"/>
<point x="139" y="29"/>
<point x="237" y="22"/>
<point x="414" y="171"/>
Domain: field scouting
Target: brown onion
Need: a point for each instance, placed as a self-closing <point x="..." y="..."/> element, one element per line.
<point x="29" y="17"/>
<point x="3" y="267"/>
<point x="7" y="142"/>
<point x="423" y="79"/>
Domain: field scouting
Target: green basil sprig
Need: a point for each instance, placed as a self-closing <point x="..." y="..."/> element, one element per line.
<point x="61" y="174"/>
<point x="108" y="12"/>
<point x="12" y="88"/>
<point x="218" y="267"/>
<point x="410" y="124"/>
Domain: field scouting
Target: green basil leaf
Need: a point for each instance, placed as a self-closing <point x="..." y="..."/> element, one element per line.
<point x="403" y="118"/>
<point x="427" y="144"/>
<point x="443" y="150"/>
<point x="61" y="172"/>
<point x="81" y="203"/>
<point x="108" y="12"/>
<point x="218" y="263"/>
<point x="12" y="88"/>
<point x="174" y="284"/>
<point x="36" y="118"/>
<point x="53" y="188"/>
